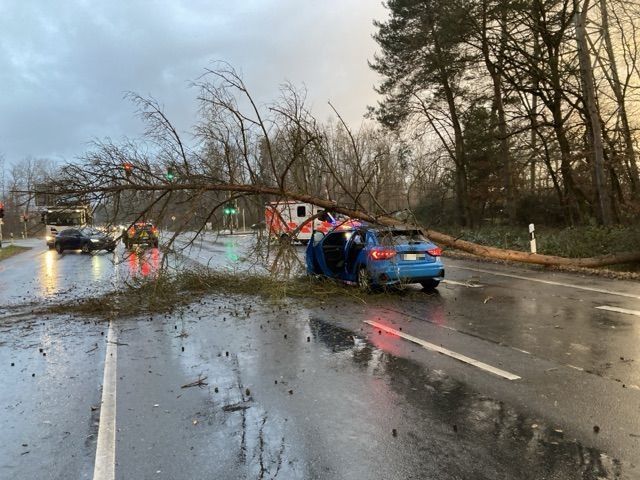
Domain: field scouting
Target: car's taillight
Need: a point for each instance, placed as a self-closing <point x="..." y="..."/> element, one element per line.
<point x="382" y="253"/>
<point x="131" y="232"/>
<point x="435" y="251"/>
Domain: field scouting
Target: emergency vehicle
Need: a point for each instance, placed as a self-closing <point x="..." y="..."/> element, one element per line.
<point x="283" y="217"/>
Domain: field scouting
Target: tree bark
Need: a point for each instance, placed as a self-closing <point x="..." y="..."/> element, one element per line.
<point x="630" y="160"/>
<point x="595" y="128"/>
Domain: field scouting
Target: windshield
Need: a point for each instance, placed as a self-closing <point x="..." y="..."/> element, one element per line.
<point x="64" y="218"/>
<point x="396" y="237"/>
<point x="90" y="231"/>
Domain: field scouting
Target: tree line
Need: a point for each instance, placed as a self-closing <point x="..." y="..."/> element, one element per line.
<point x="531" y="103"/>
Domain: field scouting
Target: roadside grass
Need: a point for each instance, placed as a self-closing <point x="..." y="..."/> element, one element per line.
<point x="571" y="242"/>
<point x="11" y="250"/>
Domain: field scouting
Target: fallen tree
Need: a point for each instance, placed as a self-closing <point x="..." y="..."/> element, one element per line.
<point x="481" y="250"/>
<point x="533" y="258"/>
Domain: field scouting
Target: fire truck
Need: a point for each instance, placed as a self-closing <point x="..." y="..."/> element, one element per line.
<point x="283" y="218"/>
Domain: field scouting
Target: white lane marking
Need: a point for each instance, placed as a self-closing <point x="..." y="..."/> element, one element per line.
<point x="619" y="310"/>
<point x="105" y="465"/>
<point x="464" y="284"/>
<point x="549" y="282"/>
<point x="445" y="351"/>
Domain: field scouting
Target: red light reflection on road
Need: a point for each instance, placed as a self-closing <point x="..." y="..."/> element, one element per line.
<point x="433" y="312"/>
<point x="386" y="341"/>
<point x="144" y="263"/>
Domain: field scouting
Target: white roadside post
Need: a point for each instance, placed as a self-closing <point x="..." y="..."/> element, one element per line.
<point x="532" y="238"/>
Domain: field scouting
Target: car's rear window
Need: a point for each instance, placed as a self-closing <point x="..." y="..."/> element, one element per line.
<point x="400" y="237"/>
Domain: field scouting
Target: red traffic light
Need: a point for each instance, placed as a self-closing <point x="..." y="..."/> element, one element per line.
<point x="128" y="168"/>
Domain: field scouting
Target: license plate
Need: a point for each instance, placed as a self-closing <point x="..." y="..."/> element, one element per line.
<point x="411" y="256"/>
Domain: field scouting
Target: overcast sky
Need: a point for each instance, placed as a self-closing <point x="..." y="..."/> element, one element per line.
<point x="66" y="64"/>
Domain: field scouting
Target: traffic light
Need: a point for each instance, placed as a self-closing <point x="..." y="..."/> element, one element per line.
<point x="1" y="210"/>
<point x="230" y="209"/>
<point x="128" y="168"/>
<point x="170" y="175"/>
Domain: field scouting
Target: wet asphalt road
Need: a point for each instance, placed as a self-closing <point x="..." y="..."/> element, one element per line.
<point x="316" y="392"/>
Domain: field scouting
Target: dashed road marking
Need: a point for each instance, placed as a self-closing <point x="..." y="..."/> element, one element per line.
<point x="549" y="282"/>
<point x="445" y="351"/>
<point x="619" y="310"/>
<point x="105" y="465"/>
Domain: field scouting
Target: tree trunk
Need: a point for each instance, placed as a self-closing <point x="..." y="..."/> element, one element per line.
<point x="462" y="190"/>
<point x="630" y="160"/>
<point x="533" y="258"/>
<point x="603" y="202"/>
<point x="498" y="106"/>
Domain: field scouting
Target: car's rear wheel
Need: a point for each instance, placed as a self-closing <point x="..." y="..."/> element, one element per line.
<point x="364" y="280"/>
<point x="430" y="284"/>
<point x="86" y="248"/>
<point x="59" y="248"/>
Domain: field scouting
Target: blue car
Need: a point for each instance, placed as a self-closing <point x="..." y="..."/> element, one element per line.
<point x="375" y="256"/>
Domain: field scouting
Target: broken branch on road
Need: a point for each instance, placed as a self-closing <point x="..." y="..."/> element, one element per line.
<point x="200" y="382"/>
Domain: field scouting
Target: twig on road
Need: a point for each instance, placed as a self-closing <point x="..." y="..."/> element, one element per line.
<point x="200" y="382"/>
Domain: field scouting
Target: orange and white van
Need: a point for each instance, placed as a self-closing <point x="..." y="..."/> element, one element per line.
<point x="284" y="217"/>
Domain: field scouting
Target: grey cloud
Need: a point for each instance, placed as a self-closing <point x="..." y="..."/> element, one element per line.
<point x="64" y="66"/>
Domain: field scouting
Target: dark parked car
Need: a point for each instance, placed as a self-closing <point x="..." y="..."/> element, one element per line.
<point x="87" y="239"/>
<point x="374" y="257"/>
<point x="141" y="233"/>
